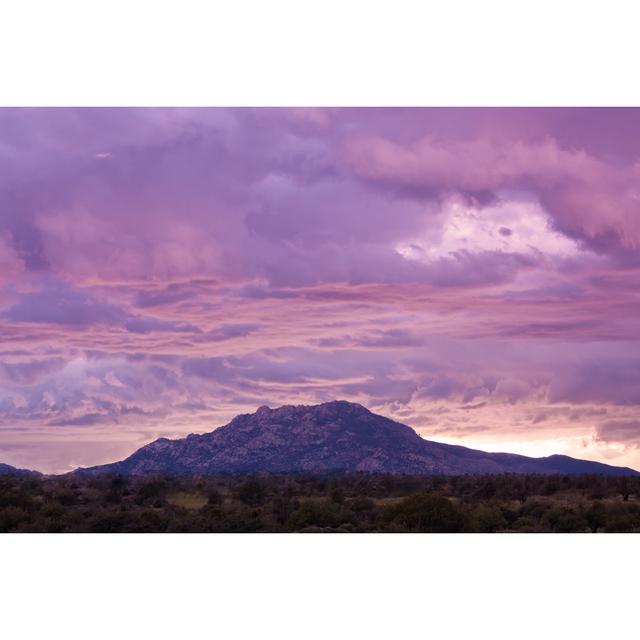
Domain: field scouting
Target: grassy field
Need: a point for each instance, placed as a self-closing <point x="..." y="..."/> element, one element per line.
<point x="188" y="500"/>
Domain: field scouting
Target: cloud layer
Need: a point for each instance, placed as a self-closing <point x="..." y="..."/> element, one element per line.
<point x="472" y="272"/>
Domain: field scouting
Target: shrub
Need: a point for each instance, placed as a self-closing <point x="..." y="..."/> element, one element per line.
<point x="251" y="492"/>
<point x="486" y="519"/>
<point x="428" y="512"/>
<point x="319" y="512"/>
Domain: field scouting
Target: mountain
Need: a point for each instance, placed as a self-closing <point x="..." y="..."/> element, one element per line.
<point x="335" y="436"/>
<point x="7" y="469"/>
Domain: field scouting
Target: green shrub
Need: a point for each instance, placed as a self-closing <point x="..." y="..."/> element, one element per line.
<point x="428" y="512"/>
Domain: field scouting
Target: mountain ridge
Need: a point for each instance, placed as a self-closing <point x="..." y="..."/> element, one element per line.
<point x="336" y="436"/>
<point x="7" y="469"/>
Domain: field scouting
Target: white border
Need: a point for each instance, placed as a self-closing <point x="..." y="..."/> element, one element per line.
<point x="335" y="52"/>
<point x="318" y="586"/>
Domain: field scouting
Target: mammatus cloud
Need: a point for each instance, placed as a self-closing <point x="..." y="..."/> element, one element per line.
<point x="470" y="272"/>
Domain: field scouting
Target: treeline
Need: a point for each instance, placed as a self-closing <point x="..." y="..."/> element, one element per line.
<point x="307" y="503"/>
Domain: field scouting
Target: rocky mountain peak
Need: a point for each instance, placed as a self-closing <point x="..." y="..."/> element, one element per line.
<point x="337" y="436"/>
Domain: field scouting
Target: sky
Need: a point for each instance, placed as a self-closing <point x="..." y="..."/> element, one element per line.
<point x="470" y="272"/>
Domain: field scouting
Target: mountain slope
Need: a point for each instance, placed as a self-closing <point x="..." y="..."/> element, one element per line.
<point x="335" y="436"/>
<point x="7" y="469"/>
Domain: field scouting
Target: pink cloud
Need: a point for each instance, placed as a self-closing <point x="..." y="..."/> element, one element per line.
<point x="471" y="272"/>
<point x="588" y="198"/>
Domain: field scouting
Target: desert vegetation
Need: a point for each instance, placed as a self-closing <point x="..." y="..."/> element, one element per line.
<point x="329" y="503"/>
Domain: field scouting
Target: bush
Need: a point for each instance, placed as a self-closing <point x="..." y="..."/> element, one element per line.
<point x="596" y="516"/>
<point x="318" y="512"/>
<point x="622" y="518"/>
<point x="11" y="518"/>
<point x="486" y="519"/>
<point x="214" y="497"/>
<point x="565" y="520"/>
<point x="251" y="492"/>
<point x="427" y="512"/>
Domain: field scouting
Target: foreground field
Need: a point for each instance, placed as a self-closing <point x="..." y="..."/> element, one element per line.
<point x="342" y="503"/>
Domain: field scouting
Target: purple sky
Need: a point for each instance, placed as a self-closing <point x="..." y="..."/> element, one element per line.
<point x="471" y="272"/>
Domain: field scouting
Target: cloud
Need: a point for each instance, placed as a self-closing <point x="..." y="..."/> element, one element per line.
<point x="611" y="378"/>
<point x="626" y="432"/>
<point x="471" y="272"/>
<point x="11" y="264"/>
<point x="588" y="198"/>
<point x="30" y="371"/>
<point x="57" y="303"/>
<point x="142" y="324"/>
<point x="230" y="331"/>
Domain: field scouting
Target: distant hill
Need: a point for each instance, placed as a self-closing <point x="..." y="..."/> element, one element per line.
<point x="7" y="469"/>
<point x="335" y="436"/>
